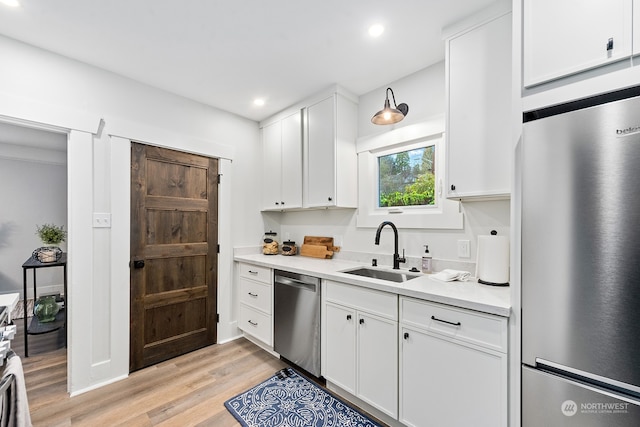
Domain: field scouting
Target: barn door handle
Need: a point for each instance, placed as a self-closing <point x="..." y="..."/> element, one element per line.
<point x="138" y="263"/>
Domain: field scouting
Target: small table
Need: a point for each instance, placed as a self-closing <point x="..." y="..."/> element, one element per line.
<point x="36" y="327"/>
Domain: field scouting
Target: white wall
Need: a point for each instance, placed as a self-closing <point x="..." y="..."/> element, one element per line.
<point x="38" y="86"/>
<point x="33" y="192"/>
<point x="423" y="91"/>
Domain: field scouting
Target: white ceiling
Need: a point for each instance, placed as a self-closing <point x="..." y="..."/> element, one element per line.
<point x="226" y="53"/>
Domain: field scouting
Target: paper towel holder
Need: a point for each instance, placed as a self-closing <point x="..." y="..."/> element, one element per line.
<point x="478" y="267"/>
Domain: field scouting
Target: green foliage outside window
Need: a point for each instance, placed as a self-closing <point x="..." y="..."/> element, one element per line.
<point x="407" y="178"/>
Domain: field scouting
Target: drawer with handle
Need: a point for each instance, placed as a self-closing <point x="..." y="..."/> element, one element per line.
<point x="256" y="323"/>
<point x="257" y="295"/>
<point x="255" y="272"/>
<point x="477" y="328"/>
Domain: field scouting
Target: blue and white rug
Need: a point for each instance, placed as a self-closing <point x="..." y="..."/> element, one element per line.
<point x="290" y="400"/>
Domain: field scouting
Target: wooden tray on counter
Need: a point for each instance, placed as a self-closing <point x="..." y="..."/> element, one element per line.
<point x="318" y="247"/>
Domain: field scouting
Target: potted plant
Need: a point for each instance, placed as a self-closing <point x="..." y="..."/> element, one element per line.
<point x="51" y="236"/>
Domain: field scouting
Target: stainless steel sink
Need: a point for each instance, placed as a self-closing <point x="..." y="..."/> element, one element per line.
<point x="392" y="276"/>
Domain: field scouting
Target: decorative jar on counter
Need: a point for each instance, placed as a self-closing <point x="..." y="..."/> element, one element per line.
<point x="270" y="243"/>
<point x="289" y="248"/>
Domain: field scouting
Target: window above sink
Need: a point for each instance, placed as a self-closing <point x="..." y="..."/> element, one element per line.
<point x="441" y="214"/>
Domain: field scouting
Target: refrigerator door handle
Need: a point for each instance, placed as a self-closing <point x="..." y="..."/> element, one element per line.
<point x="573" y="373"/>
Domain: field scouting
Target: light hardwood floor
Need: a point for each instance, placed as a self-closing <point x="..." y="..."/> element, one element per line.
<point x="186" y="391"/>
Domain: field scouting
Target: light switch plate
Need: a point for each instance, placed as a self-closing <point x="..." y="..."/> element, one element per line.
<point x="464" y="250"/>
<point x="101" y="220"/>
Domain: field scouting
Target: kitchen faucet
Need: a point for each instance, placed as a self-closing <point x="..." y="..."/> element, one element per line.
<point x="396" y="257"/>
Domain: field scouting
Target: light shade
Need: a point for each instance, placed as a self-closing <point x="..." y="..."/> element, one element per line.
<point x="389" y="115"/>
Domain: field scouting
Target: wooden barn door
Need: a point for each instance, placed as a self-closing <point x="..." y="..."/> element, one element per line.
<point x="174" y="240"/>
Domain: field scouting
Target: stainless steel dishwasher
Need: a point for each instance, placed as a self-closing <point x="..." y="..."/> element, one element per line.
<point x="297" y="319"/>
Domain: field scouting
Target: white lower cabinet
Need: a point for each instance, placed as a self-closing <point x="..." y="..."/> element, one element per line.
<point x="377" y="362"/>
<point x="360" y="349"/>
<point x="256" y="301"/>
<point x="453" y="366"/>
<point x="340" y="362"/>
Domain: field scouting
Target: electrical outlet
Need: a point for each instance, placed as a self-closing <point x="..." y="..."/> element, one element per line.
<point x="464" y="250"/>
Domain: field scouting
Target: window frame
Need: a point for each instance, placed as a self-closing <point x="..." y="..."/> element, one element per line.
<point x="445" y="214"/>
<point x="422" y="143"/>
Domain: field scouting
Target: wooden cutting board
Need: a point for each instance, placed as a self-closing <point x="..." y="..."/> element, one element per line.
<point x="315" y="251"/>
<point x="321" y="241"/>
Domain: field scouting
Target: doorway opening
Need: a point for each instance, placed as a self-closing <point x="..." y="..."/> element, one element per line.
<point x="33" y="166"/>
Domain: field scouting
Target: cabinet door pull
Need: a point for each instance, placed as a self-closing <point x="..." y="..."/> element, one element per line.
<point x="252" y="323"/>
<point x="362" y="321"/>
<point x="329" y="198"/>
<point x="406" y="335"/>
<point x="252" y="272"/>
<point x="453" y="187"/>
<point x="348" y="317"/>
<point x="610" y="44"/>
<point x="252" y="294"/>
<point x="445" y="321"/>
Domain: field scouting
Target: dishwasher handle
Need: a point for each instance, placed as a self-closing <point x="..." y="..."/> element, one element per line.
<point x="280" y="280"/>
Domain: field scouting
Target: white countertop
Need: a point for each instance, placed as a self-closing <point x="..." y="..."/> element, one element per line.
<point x="470" y="295"/>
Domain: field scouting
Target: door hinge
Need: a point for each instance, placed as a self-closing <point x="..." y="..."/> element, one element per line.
<point x="219" y="178"/>
<point x="217" y="317"/>
<point x="218" y="248"/>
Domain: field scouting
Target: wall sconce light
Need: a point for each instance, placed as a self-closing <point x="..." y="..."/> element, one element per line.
<point x="389" y="115"/>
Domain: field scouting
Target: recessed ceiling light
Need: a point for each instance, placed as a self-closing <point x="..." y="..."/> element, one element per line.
<point x="11" y="3"/>
<point x="259" y="102"/>
<point x="376" y="30"/>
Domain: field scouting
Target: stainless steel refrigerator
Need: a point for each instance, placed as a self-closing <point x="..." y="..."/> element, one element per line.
<point x="581" y="263"/>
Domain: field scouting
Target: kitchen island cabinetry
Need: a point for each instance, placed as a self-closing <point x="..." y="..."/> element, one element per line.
<point x="449" y="356"/>
<point x="282" y="163"/>
<point x="256" y="301"/>
<point x="331" y="159"/>
<point x="560" y="39"/>
<point x="478" y="110"/>
<point x="360" y="350"/>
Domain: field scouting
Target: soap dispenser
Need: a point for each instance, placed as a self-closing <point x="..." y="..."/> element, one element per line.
<point x="426" y="260"/>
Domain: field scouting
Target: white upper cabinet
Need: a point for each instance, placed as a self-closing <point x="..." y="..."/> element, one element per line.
<point x="272" y="164"/>
<point x="478" y="71"/>
<point x="282" y="157"/>
<point x="309" y="155"/>
<point x="292" y="161"/>
<point x="331" y="159"/>
<point x="565" y="37"/>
